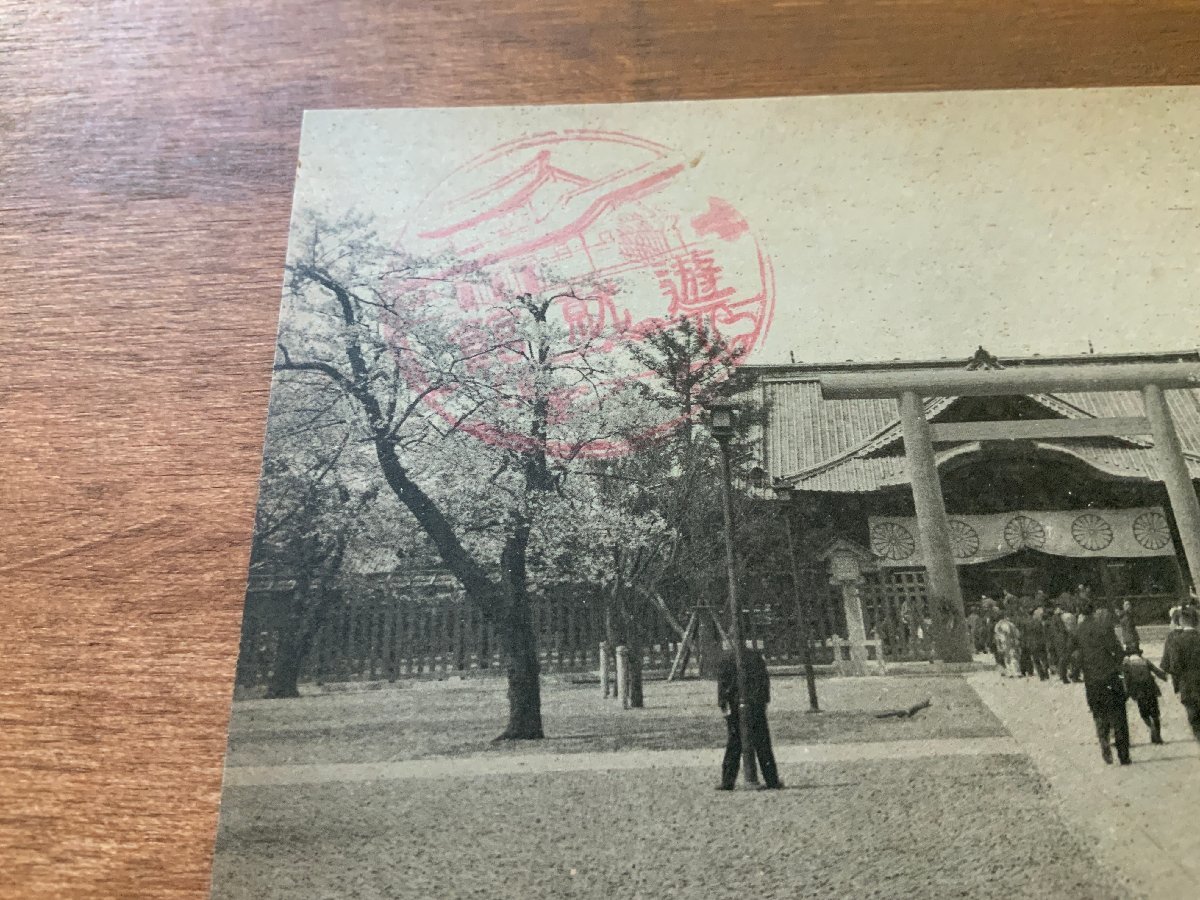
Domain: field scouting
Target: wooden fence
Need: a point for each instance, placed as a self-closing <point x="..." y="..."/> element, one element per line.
<point x="367" y="638"/>
<point x="895" y="605"/>
<point x="383" y="633"/>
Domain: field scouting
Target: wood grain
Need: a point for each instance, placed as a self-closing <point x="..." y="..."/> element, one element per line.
<point x="146" y="160"/>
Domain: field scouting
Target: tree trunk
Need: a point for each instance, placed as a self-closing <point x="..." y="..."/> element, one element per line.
<point x="636" y="698"/>
<point x="310" y="608"/>
<point x="632" y="639"/>
<point x="285" y="674"/>
<point x="524" y="672"/>
<point x="295" y="640"/>
<point x="309" y="604"/>
<point x="515" y="625"/>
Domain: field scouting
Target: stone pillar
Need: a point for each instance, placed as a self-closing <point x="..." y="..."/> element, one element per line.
<point x="605" y="674"/>
<point x="856" y="628"/>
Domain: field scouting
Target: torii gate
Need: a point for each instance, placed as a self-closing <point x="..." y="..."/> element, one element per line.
<point x="909" y="388"/>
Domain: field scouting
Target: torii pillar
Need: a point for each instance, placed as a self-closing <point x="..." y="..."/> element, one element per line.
<point x="910" y="386"/>
<point x="1175" y="475"/>
<point x="950" y="638"/>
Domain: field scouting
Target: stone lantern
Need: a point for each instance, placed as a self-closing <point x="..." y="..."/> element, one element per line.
<point x="848" y="563"/>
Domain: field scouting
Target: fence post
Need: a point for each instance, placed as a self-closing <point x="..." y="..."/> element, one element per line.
<point x="623" y="675"/>
<point x="604" y="672"/>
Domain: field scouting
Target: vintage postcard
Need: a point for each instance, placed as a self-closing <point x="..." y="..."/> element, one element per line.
<point x="787" y="498"/>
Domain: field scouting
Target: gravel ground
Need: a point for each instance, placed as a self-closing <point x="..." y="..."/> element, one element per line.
<point x="938" y="827"/>
<point x="414" y="720"/>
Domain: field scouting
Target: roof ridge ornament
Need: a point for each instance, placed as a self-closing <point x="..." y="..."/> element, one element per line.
<point x="983" y="360"/>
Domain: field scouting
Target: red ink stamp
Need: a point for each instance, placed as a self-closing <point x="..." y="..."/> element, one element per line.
<point x="618" y="228"/>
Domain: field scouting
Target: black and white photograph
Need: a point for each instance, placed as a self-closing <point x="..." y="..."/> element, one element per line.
<point x="782" y="498"/>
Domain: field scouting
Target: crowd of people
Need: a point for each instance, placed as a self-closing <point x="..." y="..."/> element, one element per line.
<point x="1073" y="638"/>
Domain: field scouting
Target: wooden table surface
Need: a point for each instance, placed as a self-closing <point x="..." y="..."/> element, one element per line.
<point x="146" y="160"/>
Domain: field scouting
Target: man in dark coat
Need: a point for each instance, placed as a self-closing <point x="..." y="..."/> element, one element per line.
<point x="1100" y="655"/>
<point x="1181" y="660"/>
<point x="758" y="695"/>
<point x="1022" y="619"/>
<point x="1033" y="637"/>
<point x="1056" y="642"/>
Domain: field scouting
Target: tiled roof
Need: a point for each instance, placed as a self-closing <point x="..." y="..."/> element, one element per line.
<point x="1125" y="462"/>
<point x="832" y="445"/>
<point x="1184" y="406"/>
<point x="804" y="431"/>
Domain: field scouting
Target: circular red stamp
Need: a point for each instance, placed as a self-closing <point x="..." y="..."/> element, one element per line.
<point x="620" y="233"/>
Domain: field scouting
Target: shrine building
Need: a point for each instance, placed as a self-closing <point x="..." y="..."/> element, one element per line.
<point x="1022" y="514"/>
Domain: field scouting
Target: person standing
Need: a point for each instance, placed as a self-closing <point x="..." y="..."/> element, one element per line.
<point x="1033" y="637"/>
<point x="1073" y="618"/>
<point x="1099" y="658"/>
<point x="1008" y="645"/>
<point x="1070" y="622"/>
<point x="983" y="625"/>
<point x="1175" y="627"/>
<point x="1181" y="660"/>
<point x="1129" y="632"/>
<point x="758" y="695"/>
<point x="1056" y="639"/>
<point x="993" y="617"/>
<point x="908" y="627"/>
<point x="1139" y="674"/>
<point x="1023" y="619"/>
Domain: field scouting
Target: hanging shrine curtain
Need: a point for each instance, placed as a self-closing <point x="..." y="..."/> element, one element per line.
<point x="1078" y="533"/>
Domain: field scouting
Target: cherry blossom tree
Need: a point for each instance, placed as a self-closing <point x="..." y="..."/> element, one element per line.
<point x="477" y="403"/>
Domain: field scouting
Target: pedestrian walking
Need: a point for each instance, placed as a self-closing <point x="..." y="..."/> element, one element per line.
<point x="1100" y="657"/>
<point x="1139" y="674"/>
<point x="1181" y="660"/>
<point x="758" y="695"/>
<point x="1008" y="645"/>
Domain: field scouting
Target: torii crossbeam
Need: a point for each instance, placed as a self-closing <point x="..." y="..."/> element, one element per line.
<point x="909" y="388"/>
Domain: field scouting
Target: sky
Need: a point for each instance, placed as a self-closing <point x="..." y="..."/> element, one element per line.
<point x="908" y="226"/>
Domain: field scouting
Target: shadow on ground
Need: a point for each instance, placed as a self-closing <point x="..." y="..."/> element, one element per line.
<point x="420" y="720"/>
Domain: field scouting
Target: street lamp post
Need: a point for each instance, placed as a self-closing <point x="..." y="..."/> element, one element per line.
<point x="721" y="422"/>
<point x="783" y="491"/>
